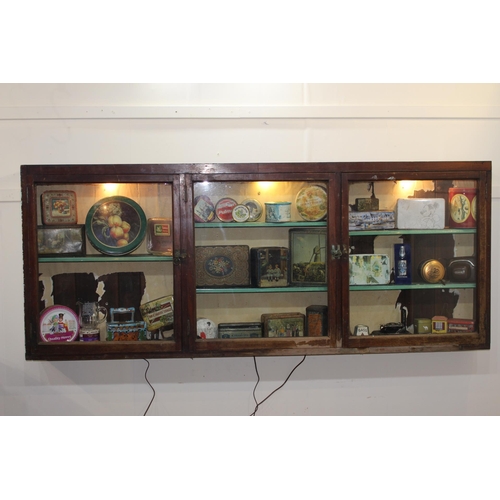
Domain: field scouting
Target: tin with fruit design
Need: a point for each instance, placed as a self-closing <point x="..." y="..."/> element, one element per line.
<point x="116" y="225"/>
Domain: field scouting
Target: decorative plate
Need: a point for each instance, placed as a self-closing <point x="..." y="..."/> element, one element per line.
<point x="204" y="210"/>
<point x="116" y="225"/>
<point x="312" y="203"/>
<point x="255" y="209"/>
<point x="58" y="324"/>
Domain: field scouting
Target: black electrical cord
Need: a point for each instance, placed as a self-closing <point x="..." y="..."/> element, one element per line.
<point x="275" y="390"/>
<point x="152" y="388"/>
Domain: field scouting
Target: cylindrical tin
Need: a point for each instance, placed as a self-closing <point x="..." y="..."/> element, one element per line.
<point x="89" y="334"/>
<point x="462" y="207"/>
<point x="432" y="271"/>
<point x="224" y="209"/>
<point x="316" y="321"/>
<point x="278" y="211"/>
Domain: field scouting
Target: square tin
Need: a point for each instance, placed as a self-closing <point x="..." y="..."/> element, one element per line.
<point x="59" y="208"/>
<point x="269" y="266"/>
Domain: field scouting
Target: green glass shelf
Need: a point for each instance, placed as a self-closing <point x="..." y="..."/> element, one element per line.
<point x="260" y="224"/>
<point x="109" y="258"/>
<point x="286" y="289"/>
<point x="397" y="232"/>
<point x="416" y="286"/>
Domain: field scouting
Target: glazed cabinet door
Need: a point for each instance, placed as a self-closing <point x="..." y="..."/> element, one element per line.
<point x="99" y="245"/>
<point x="259" y="260"/>
<point x="416" y="275"/>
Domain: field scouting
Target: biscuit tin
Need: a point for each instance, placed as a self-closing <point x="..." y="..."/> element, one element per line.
<point x="278" y="211"/>
<point x="457" y="325"/>
<point x="462" y="202"/>
<point x="363" y="221"/>
<point x="307" y="257"/>
<point x="158" y="313"/>
<point x="222" y="266"/>
<point x="64" y="241"/>
<point x="159" y="236"/>
<point x="254" y="209"/>
<point x="316" y="321"/>
<point x="239" y="330"/>
<point x="224" y="209"/>
<point x="269" y="266"/>
<point x="204" y="210"/>
<point x="312" y="203"/>
<point x="283" y="325"/>
<point x="369" y="269"/>
<point x="128" y="330"/>
<point x="420" y="213"/>
<point x="58" y="324"/>
<point x="59" y="208"/>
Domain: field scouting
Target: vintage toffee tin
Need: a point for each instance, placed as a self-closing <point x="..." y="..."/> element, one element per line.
<point x="224" y="209"/>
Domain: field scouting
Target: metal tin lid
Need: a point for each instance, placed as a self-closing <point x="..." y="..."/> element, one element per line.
<point x="254" y="208"/>
<point x="224" y="209"/>
<point x="204" y="210"/>
<point x="432" y="271"/>
<point x="312" y="203"/>
<point x="240" y="213"/>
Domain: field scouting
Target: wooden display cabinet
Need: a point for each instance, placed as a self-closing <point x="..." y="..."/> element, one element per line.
<point x="332" y="249"/>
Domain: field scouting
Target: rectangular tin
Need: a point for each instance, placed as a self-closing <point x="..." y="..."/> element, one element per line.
<point x="372" y="220"/>
<point x="222" y="266"/>
<point x="316" y="321"/>
<point x="159" y="236"/>
<point x="308" y="257"/>
<point x="420" y="213"/>
<point x="458" y="325"/>
<point x="61" y="241"/>
<point x="369" y="269"/>
<point x="240" y="330"/>
<point x="128" y="330"/>
<point x="283" y="325"/>
<point x="269" y="266"/>
<point x="158" y="313"/>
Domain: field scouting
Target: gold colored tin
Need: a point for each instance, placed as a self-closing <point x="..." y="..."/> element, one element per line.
<point x="432" y="271"/>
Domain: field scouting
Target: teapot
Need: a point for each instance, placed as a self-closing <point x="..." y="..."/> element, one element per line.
<point x="91" y="314"/>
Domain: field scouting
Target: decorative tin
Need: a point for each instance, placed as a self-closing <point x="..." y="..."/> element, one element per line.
<point x="58" y="324"/>
<point x="240" y="213"/>
<point x="125" y="330"/>
<point x="283" y="325"/>
<point x="316" y="321"/>
<point x="254" y="208"/>
<point x="278" y="211"/>
<point x="159" y="236"/>
<point x="457" y="325"/>
<point x="361" y="330"/>
<point x="312" y="203"/>
<point x="116" y="225"/>
<point x="439" y="324"/>
<point x="431" y="271"/>
<point x="308" y="257"/>
<point x="61" y="241"/>
<point x="158" y="313"/>
<point x="462" y="207"/>
<point x="369" y="269"/>
<point x="222" y="266"/>
<point x="204" y="210"/>
<point x="423" y="325"/>
<point x="224" y="209"/>
<point x="206" y="329"/>
<point x="59" y="208"/>
<point x="363" y="221"/>
<point x="269" y="266"/>
<point x="402" y="264"/>
<point x="420" y="213"/>
<point x="240" y="330"/>
<point x="461" y="270"/>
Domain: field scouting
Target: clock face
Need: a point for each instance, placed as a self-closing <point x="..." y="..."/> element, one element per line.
<point x="460" y="208"/>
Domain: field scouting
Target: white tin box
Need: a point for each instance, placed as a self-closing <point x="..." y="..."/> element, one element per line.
<point x="420" y="213"/>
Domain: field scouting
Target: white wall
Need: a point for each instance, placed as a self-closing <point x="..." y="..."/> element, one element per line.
<point x="43" y="124"/>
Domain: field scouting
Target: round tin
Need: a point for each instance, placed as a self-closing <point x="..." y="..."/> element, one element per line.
<point x="255" y="209"/>
<point x="462" y="203"/>
<point x="90" y="334"/>
<point x="204" y="210"/>
<point x="206" y="328"/>
<point x="241" y="213"/>
<point x="116" y="225"/>
<point x="312" y="203"/>
<point x="58" y="324"/>
<point x="224" y="209"/>
<point x="431" y="271"/>
<point x="278" y="211"/>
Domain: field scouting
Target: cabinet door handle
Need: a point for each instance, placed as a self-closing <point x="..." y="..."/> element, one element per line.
<point x="336" y="251"/>
<point x="179" y="256"/>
